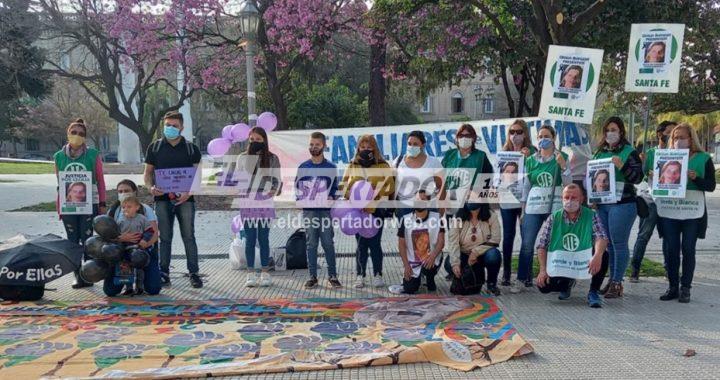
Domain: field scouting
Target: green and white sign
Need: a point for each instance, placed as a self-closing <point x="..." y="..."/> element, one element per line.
<point x="654" y="57"/>
<point x="571" y="82"/>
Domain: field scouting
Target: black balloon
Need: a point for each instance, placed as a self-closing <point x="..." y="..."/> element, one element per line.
<point x="93" y="246"/>
<point x="112" y="253"/>
<point x="139" y="258"/>
<point x="106" y="227"/>
<point x="94" y="270"/>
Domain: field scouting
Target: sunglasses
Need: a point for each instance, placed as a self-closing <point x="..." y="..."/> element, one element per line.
<point x="77" y="133"/>
<point x="466" y="135"/>
<point x="516" y="132"/>
<point x="473" y="238"/>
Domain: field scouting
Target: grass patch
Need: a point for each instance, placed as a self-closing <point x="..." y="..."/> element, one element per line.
<point x="8" y="181"/>
<point x="648" y="268"/>
<point x="40" y="207"/>
<point x="26" y="168"/>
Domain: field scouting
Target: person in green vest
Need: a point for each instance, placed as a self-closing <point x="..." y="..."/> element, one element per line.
<point x="648" y="224"/>
<point x="571" y="246"/>
<point x="682" y="227"/>
<point x="618" y="217"/>
<point x="77" y="156"/>
<point x="547" y="171"/>
<point x="462" y="166"/>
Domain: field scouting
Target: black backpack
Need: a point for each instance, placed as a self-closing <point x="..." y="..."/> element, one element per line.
<point x="295" y="250"/>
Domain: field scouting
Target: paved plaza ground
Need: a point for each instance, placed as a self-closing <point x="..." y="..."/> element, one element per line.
<point x="634" y="337"/>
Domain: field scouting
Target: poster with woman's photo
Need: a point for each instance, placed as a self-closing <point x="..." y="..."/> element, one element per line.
<point x="75" y="192"/>
<point x="670" y="171"/>
<point x="509" y="175"/>
<point x="600" y="181"/>
<point x="654" y="56"/>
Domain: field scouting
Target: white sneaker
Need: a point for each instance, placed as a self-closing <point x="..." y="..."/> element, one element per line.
<point x="265" y="280"/>
<point x="252" y="280"/>
<point x="378" y="281"/>
<point x="517" y="287"/>
<point x="360" y="282"/>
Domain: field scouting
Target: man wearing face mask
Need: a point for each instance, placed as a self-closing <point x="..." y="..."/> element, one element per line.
<point x="317" y="182"/>
<point x="566" y="233"/>
<point x="173" y="151"/>
<point x="77" y="156"/>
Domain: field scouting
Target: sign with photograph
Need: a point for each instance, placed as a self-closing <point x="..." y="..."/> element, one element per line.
<point x="571" y="82"/>
<point x="75" y="192"/>
<point x="600" y="181"/>
<point x="654" y="57"/>
<point x="509" y="178"/>
<point x="670" y="172"/>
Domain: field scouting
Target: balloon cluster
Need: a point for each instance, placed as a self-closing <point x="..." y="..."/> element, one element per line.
<point x="238" y="133"/>
<point x="105" y="253"/>
<point x="353" y="220"/>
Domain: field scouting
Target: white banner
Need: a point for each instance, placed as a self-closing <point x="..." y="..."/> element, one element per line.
<point x="569" y="264"/>
<point x="670" y="170"/>
<point x="571" y="82"/>
<point x="600" y="181"/>
<point x="654" y="56"/>
<point x="690" y="207"/>
<point x="76" y="192"/>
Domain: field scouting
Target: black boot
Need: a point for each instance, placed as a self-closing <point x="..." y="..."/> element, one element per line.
<point x="670" y="294"/>
<point x="79" y="282"/>
<point x="684" y="294"/>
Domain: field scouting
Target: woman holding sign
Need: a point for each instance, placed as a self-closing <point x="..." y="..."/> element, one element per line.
<point x="680" y="225"/>
<point x="617" y="217"/>
<point x="75" y="160"/>
<point x="547" y="171"/>
<point x="518" y="141"/>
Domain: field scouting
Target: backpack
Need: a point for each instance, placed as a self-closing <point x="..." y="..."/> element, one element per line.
<point x="190" y="147"/>
<point x="296" y="250"/>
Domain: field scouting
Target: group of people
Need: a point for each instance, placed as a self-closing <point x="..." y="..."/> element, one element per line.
<point x="444" y="221"/>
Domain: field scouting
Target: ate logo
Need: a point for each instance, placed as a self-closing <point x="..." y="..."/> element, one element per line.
<point x="545" y="179"/>
<point x="459" y="178"/>
<point x="75" y="167"/>
<point x="570" y="242"/>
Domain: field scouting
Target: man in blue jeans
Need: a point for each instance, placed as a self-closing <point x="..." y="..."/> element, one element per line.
<point x="316" y="183"/>
<point x="173" y="151"/>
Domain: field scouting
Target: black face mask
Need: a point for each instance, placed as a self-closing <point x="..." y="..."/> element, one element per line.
<point x="473" y="206"/>
<point x="255" y="147"/>
<point x="664" y="138"/>
<point x="367" y="158"/>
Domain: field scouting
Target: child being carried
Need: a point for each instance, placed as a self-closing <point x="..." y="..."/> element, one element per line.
<point x="135" y="222"/>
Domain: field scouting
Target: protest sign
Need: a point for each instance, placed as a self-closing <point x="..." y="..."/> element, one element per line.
<point x="670" y="170"/>
<point x="509" y="178"/>
<point x="571" y="82"/>
<point x="654" y="56"/>
<point x="175" y="180"/>
<point x="75" y="192"/>
<point x="600" y="181"/>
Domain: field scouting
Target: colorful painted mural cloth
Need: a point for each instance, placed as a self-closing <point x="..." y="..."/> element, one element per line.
<point x="135" y="338"/>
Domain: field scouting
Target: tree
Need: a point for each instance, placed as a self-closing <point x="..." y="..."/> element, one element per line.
<point x="328" y="105"/>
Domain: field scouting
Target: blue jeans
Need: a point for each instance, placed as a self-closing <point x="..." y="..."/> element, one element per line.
<point x="257" y="230"/>
<point x="509" y="223"/>
<point x="373" y="246"/>
<point x="318" y="226"/>
<point x="618" y="220"/>
<point x="645" y="232"/>
<point x="185" y="214"/>
<point x="151" y="284"/>
<point x="529" y="229"/>
<point x="680" y="235"/>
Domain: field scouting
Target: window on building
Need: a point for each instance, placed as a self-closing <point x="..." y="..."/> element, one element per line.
<point x="427" y="105"/>
<point x="456" y="103"/>
<point x="489" y="105"/>
<point x="32" y="144"/>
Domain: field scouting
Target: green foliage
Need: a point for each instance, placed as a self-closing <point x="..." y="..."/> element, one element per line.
<point x="400" y="106"/>
<point x="328" y="105"/>
<point x="26" y="168"/>
<point x="648" y="268"/>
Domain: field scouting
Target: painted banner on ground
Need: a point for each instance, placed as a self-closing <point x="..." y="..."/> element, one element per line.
<point x="572" y="75"/>
<point x="76" y="192"/>
<point x="600" y="181"/>
<point x="139" y="339"/>
<point x="654" y="56"/>
<point x="670" y="173"/>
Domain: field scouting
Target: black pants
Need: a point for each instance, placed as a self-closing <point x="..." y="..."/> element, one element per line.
<point x="560" y="284"/>
<point x="374" y="247"/>
<point x="412" y="285"/>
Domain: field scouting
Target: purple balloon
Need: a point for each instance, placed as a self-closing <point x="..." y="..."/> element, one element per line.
<point x="267" y="121"/>
<point x="218" y="147"/>
<point x="340" y="209"/>
<point x="240" y="132"/>
<point x="361" y="193"/>
<point x="368" y="229"/>
<point x="351" y="223"/>
<point x="227" y="132"/>
<point x="236" y="225"/>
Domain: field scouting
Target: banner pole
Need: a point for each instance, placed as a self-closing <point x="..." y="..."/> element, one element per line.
<point x="647" y="116"/>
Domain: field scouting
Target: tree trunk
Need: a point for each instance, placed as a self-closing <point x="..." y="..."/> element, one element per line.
<point x="278" y="100"/>
<point x="376" y="93"/>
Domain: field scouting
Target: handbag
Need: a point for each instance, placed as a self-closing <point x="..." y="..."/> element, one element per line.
<point x="468" y="283"/>
<point x="643" y="211"/>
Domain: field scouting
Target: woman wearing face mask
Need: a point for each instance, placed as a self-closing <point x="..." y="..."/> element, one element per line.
<point x="463" y="166"/>
<point x="618" y="217"/>
<point x="152" y="284"/>
<point x="263" y="167"/>
<point x="518" y="141"/>
<point x="77" y="156"/>
<point x="416" y="171"/>
<point x="369" y="165"/>
<point x="547" y="171"/>
<point x="680" y="229"/>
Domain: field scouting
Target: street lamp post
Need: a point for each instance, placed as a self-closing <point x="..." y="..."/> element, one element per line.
<point x="249" y="19"/>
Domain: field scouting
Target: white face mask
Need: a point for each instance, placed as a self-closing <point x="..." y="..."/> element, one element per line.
<point x="465" y="142"/>
<point x="413" y="151"/>
<point x="124" y="196"/>
<point x="571" y="205"/>
<point x="682" y="144"/>
<point x="612" y="138"/>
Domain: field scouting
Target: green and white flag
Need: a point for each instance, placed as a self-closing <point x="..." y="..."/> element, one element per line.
<point x="571" y="82"/>
<point x="654" y="57"/>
